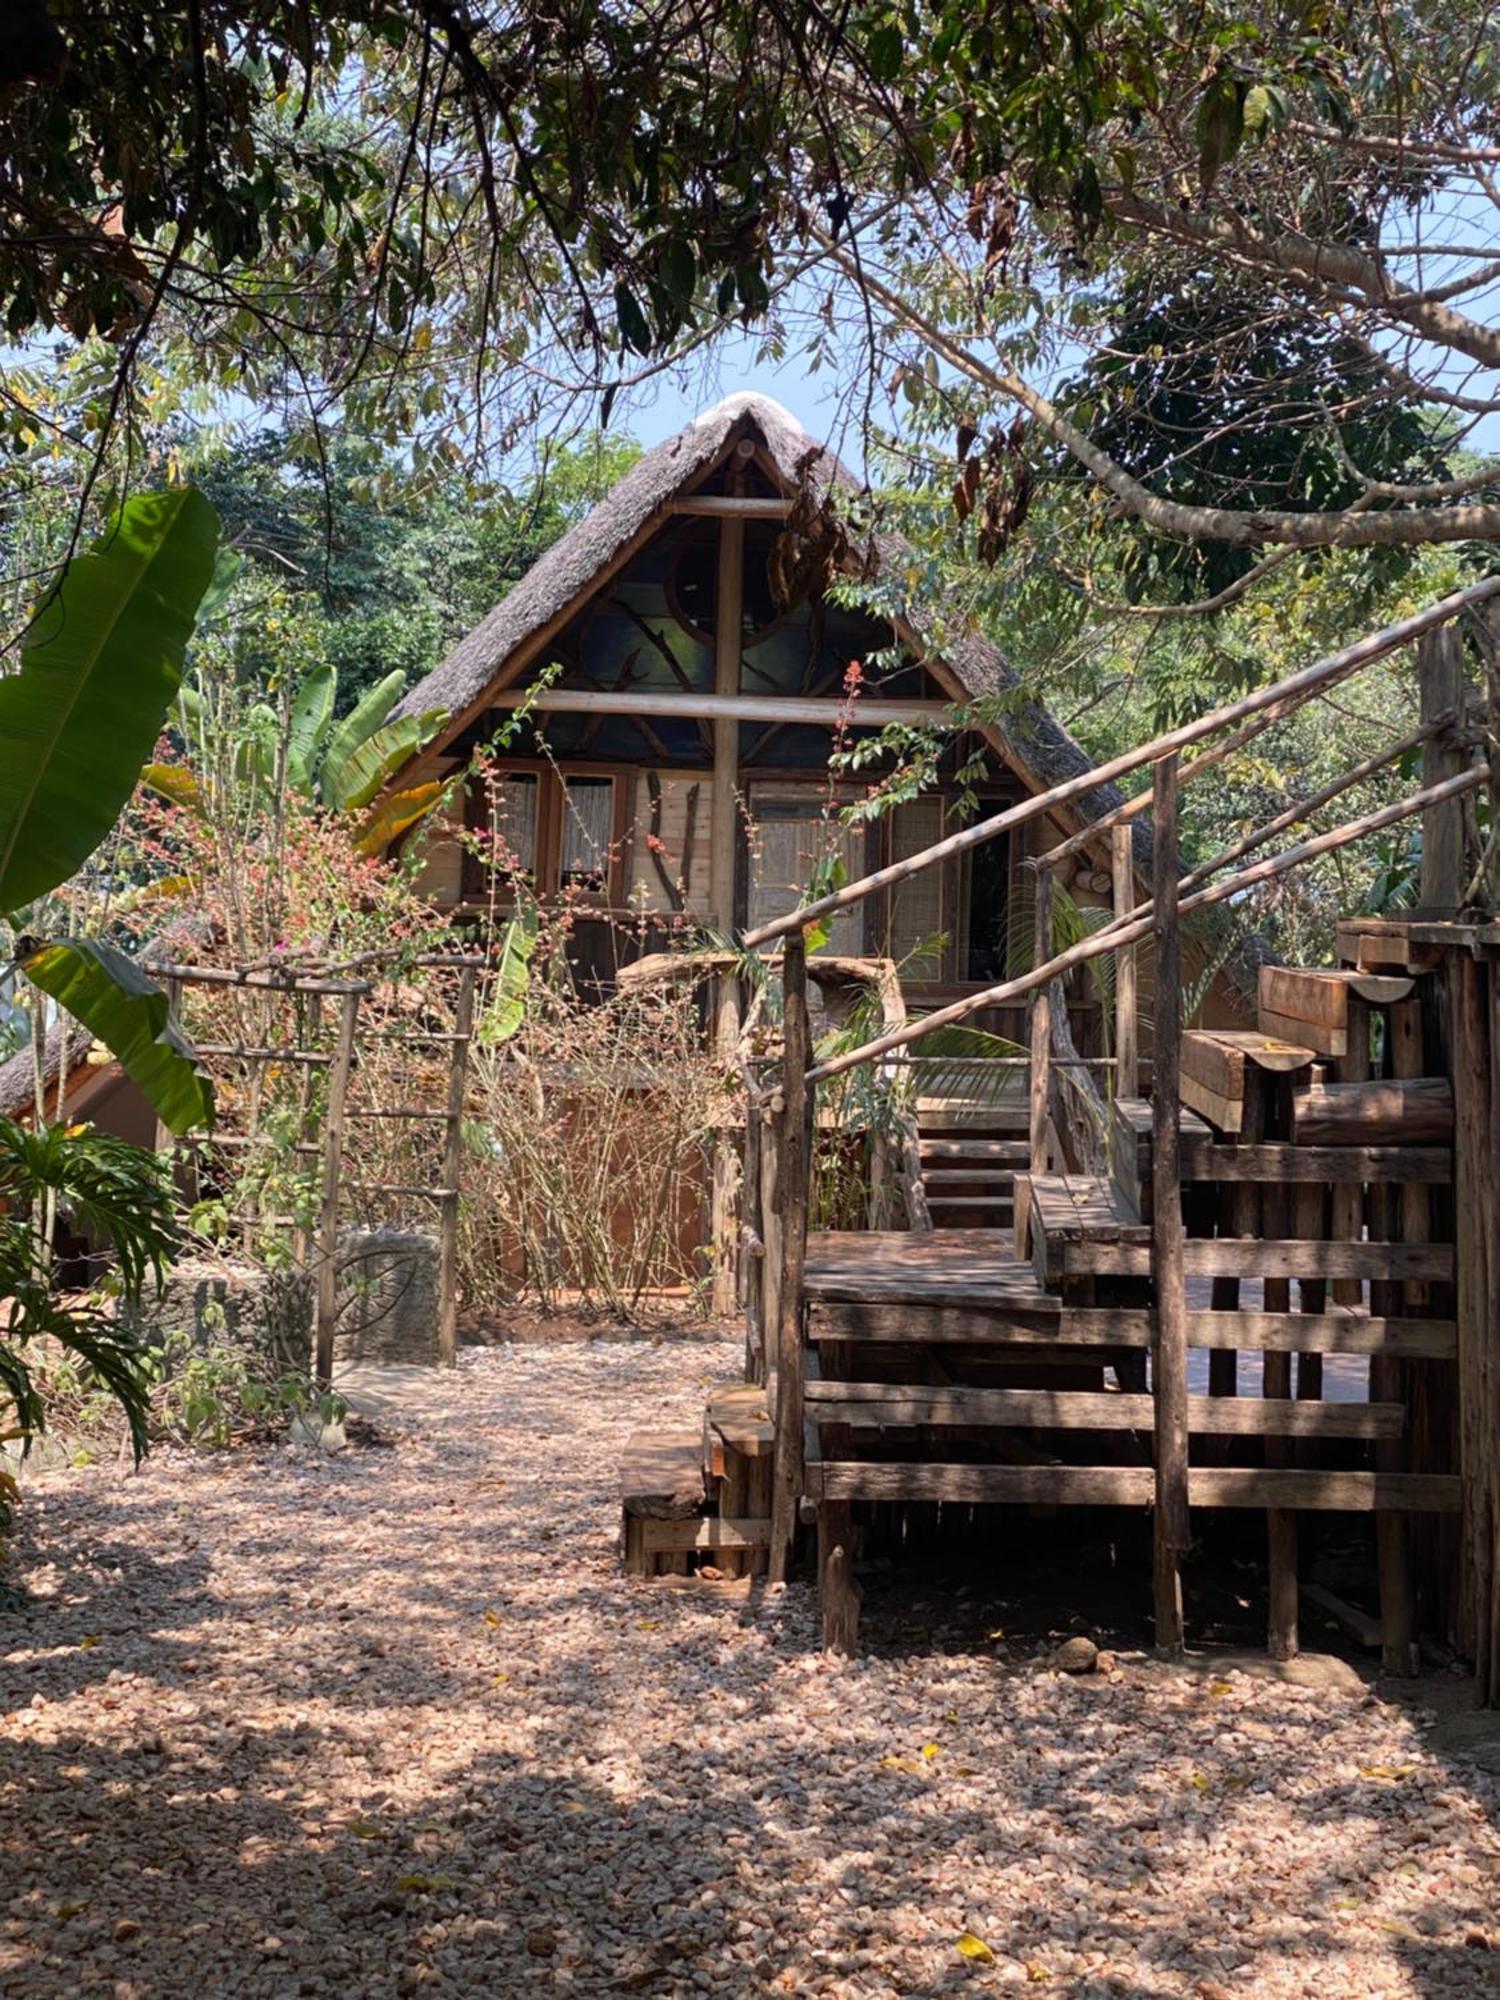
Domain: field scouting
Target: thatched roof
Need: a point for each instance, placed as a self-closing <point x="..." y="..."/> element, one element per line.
<point x="1040" y="748"/>
<point x="18" y="1076"/>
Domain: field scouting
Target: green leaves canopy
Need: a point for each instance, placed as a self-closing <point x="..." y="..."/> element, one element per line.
<point x="98" y="674"/>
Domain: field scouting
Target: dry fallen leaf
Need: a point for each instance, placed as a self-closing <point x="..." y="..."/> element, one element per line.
<point x="975" y="1948"/>
<point x="366" y="1829"/>
<point x="647" y="1624"/>
<point x="899" y="1764"/>
<point x="87" y="1645"/>
<point x="931" y="1750"/>
<point x="1390" y="1773"/>
<point x="492" y="1617"/>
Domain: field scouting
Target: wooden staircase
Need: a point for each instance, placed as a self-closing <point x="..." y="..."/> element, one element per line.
<point x="973" y="1364"/>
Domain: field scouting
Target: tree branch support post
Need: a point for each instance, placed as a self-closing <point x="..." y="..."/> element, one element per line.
<point x="793" y="1188"/>
<point x="1443" y="693"/>
<point x="453" y="1161"/>
<point x="328" y="1218"/>
<point x="1040" y="1101"/>
<point x="1170" y="1352"/>
<point x="1127" y="1006"/>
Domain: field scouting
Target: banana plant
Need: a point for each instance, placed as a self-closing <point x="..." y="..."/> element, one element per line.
<point x="341" y="765"/>
<point x="99" y="669"/>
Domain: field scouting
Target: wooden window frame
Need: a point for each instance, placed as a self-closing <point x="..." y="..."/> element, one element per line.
<point x="551" y="806"/>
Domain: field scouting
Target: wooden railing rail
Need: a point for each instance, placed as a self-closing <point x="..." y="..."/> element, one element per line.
<point x="1140" y="923"/>
<point x="1322" y="674"/>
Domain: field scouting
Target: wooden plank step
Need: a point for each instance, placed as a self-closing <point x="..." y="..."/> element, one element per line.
<point x="740" y="1412"/>
<point x="998" y="1205"/>
<point x="659" y="1537"/>
<point x="885" y="1406"/>
<point x="1000" y="1152"/>
<point x="1241" y="1257"/>
<point x="1130" y="1149"/>
<point x="661" y="1474"/>
<point x="1204" y="1160"/>
<point x="1003" y="1177"/>
<point x="1312" y="1005"/>
<point x="1291" y="1488"/>
<point x="1214" y="1061"/>
<point x="1062" y="1215"/>
<point x="924" y="1266"/>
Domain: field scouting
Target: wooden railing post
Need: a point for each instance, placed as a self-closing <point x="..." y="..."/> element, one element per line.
<point x="1442" y="691"/>
<point x="1170" y="1353"/>
<point x="793" y="1185"/>
<point x="1041" y="1026"/>
<point x="753" y="1237"/>
<point x="328" y="1215"/>
<point x="453" y="1166"/>
<point x="1127" y="1037"/>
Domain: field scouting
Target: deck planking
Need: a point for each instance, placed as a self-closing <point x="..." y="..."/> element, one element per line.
<point x="976" y="1267"/>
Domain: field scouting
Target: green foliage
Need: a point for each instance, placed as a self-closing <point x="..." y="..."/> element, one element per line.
<point x="98" y="672"/>
<point x="113" y="1191"/>
<point x="122" y="1008"/>
<point x="506" y="1008"/>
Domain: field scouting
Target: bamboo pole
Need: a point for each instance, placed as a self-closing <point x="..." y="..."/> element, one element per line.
<point x="1127" y="1004"/>
<point x="1169" y="1347"/>
<point x="1139" y="924"/>
<point x="793" y="1185"/>
<point x="453" y="1159"/>
<point x="1040" y="1083"/>
<point x="1323" y="673"/>
<point x="328" y="1218"/>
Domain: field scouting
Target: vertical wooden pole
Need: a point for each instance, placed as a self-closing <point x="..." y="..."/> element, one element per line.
<point x="1282" y="1637"/>
<point x="453" y="1163"/>
<point x="1348" y="1215"/>
<point x="328" y="1217"/>
<point x="753" y="1239"/>
<point x="1405" y="1219"/>
<point x="1240" y="1216"/>
<point x="1127" y="1005"/>
<point x="311" y="1022"/>
<point x="1472" y="1088"/>
<point x="1487" y="1499"/>
<point x="793" y="1185"/>
<point x="1041" y="1027"/>
<point x="1170" y="1351"/>
<point x="728" y="644"/>
<point x="1442" y="690"/>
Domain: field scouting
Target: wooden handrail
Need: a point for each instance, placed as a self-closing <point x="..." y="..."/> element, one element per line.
<point x="1322" y="674"/>
<point x="1139" y="924"/>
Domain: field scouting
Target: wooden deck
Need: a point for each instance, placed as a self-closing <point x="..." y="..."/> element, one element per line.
<point x="971" y="1267"/>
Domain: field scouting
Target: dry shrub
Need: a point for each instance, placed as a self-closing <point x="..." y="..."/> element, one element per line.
<point x="587" y="1171"/>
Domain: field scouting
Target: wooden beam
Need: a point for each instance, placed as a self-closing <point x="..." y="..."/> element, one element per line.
<point x="1169" y="1351"/>
<point x="723" y="846"/>
<point x="738" y="507"/>
<point x="1273" y="1259"/>
<point x="719" y="706"/>
<point x="1337" y="1332"/>
<point x="1039" y="1085"/>
<point x="1393" y="1111"/>
<point x="1281" y="1160"/>
<point x="871" y="1406"/>
<point x="1287" y="1490"/>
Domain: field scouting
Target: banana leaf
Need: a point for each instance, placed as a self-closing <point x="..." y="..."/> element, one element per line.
<point x="394" y="815"/>
<point x="507" y="1008"/>
<point x="380" y="756"/>
<point x="119" y="1005"/>
<point x="339" y="779"/>
<point x="176" y="784"/>
<point x="312" y="711"/>
<point x="99" y="671"/>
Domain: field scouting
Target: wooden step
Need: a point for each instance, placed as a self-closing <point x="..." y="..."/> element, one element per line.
<point x="1059" y="1215"/>
<point x="996" y="1152"/>
<point x="1214" y="1064"/>
<point x="1312" y="1006"/>
<point x="939" y="1177"/>
<point x="1130" y="1143"/>
<point x="875" y="1406"/>
<point x="1290" y="1488"/>
<point x="661" y="1474"/>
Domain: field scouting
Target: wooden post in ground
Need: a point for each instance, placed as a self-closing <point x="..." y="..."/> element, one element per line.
<point x="1040" y="1101"/>
<point x="793" y="1187"/>
<point x="723" y="843"/>
<point x="453" y="1166"/>
<point x="1473" y="1091"/>
<point x="1170" y="1350"/>
<point x="1488" y="1496"/>
<point x="1127" y="1006"/>
<point x="1239" y="1208"/>
<point x="1442" y="689"/>
<point x="753" y="1239"/>
<point x="1406" y="1219"/>
<point x="328" y="1214"/>
<point x="1282" y="1640"/>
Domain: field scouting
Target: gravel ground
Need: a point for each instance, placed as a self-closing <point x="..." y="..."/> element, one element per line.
<point x="392" y="1722"/>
